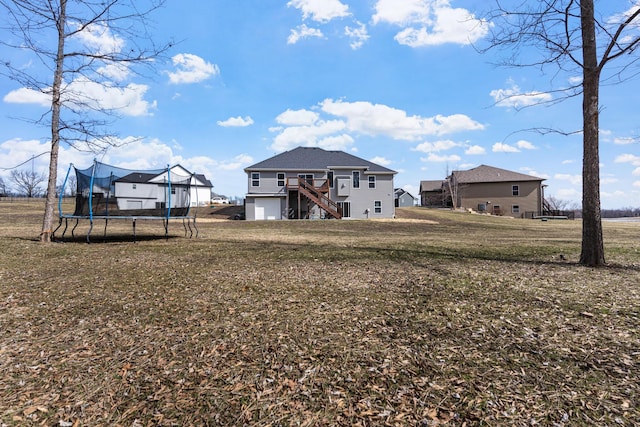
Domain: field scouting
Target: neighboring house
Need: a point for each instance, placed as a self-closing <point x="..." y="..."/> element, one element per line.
<point x="432" y="194"/>
<point x="494" y="190"/>
<point x="139" y="190"/>
<point x="403" y="198"/>
<point x="309" y="182"/>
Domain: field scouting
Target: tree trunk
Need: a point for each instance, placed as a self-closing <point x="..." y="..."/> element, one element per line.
<point x="47" y="223"/>
<point x="592" y="241"/>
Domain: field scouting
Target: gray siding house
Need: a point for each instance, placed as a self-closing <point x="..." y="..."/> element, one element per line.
<point x="312" y="183"/>
<point x="404" y="198"/>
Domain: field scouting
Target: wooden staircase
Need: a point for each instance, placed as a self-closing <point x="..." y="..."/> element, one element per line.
<point x="317" y="195"/>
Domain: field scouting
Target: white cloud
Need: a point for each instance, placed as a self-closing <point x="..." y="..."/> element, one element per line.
<point x="305" y="127"/>
<point x="430" y="147"/>
<point x="624" y="140"/>
<point x="430" y="22"/>
<point x="377" y="119"/>
<point x="339" y="142"/>
<point x="320" y="10"/>
<point x="436" y="158"/>
<point x="236" y="122"/>
<point x="628" y="158"/>
<point x="525" y="145"/>
<point x="237" y="163"/>
<point x="475" y="150"/>
<point x="499" y="147"/>
<point x="358" y="35"/>
<point x="117" y="71"/>
<point x="100" y="38"/>
<point x="28" y="96"/>
<point x="514" y="98"/>
<point x="191" y="69"/>
<point x="636" y="184"/>
<point x="609" y="180"/>
<point x="568" y="162"/>
<point x="297" y="118"/>
<point x="308" y="135"/>
<point x="573" y="179"/>
<point x="301" y="32"/>
<point x="636" y="172"/>
<point x="380" y="161"/>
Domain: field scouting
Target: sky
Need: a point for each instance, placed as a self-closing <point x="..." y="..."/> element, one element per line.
<point x="402" y="83"/>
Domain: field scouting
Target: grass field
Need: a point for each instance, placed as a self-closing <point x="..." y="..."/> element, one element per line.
<point x="434" y="318"/>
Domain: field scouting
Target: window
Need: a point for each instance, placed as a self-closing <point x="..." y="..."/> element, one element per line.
<point x="173" y="190"/>
<point x="515" y="209"/>
<point x="515" y="190"/>
<point x="255" y="179"/>
<point x="356" y="179"/>
<point x="377" y="206"/>
<point x="372" y="181"/>
<point x="133" y="186"/>
<point x="280" y="178"/>
<point x="330" y="178"/>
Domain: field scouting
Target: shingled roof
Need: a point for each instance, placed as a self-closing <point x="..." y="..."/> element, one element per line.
<point x="484" y="173"/>
<point x="314" y="158"/>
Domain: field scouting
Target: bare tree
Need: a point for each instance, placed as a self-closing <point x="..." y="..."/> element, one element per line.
<point x="56" y="33"/>
<point x="571" y="38"/>
<point x="3" y="187"/>
<point x="28" y="182"/>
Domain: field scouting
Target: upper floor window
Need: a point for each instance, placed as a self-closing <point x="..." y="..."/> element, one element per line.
<point x="280" y="178"/>
<point x="173" y="190"/>
<point x="356" y="179"/>
<point x="330" y="178"/>
<point x="515" y="190"/>
<point x="133" y="186"/>
<point x="255" y="179"/>
<point x="372" y="181"/>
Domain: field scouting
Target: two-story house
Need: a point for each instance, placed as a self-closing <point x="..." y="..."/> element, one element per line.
<point x="309" y="182"/>
<point x="487" y="189"/>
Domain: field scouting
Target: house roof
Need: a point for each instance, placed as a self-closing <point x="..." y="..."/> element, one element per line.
<point x="431" y="185"/>
<point x="137" y="177"/>
<point x="484" y="173"/>
<point x="314" y="158"/>
<point x="400" y="191"/>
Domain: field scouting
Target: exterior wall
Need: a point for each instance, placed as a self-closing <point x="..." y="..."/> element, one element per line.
<point x="255" y="208"/>
<point x="405" y="200"/>
<point x="362" y="200"/>
<point x="471" y="196"/>
<point x="200" y="195"/>
<point x="143" y="196"/>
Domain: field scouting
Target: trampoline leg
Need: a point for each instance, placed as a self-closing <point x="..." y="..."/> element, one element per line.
<point x="196" y="227"/>
<point x="184" y="224"/>
<point x="74" y="228"/>
<point x="89" y="232"/>
<point x="53" y="235"/>
<point x="134" y="230"/>
<point x="166" y="229"/>
<point x="106" y="221"/>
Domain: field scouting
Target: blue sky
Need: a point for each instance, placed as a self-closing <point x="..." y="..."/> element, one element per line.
<point x="397" y="82"/>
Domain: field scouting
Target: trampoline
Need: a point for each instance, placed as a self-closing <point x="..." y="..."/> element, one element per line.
<point x="106" y="192"/>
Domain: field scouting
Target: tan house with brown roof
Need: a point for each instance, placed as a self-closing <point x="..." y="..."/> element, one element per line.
<point x="496" y="191"/>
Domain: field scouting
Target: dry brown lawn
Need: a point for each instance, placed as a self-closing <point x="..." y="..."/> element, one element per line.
<point x="435" y="318"/>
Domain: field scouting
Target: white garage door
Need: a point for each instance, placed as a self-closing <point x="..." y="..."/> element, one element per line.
<point x="267" y="209"/>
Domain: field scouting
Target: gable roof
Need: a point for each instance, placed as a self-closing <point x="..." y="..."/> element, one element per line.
<point x="484" y="173"/>
<point x="431" y="185"/>
<point x="314" y="158"/>
<point x="401" y="191"/>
